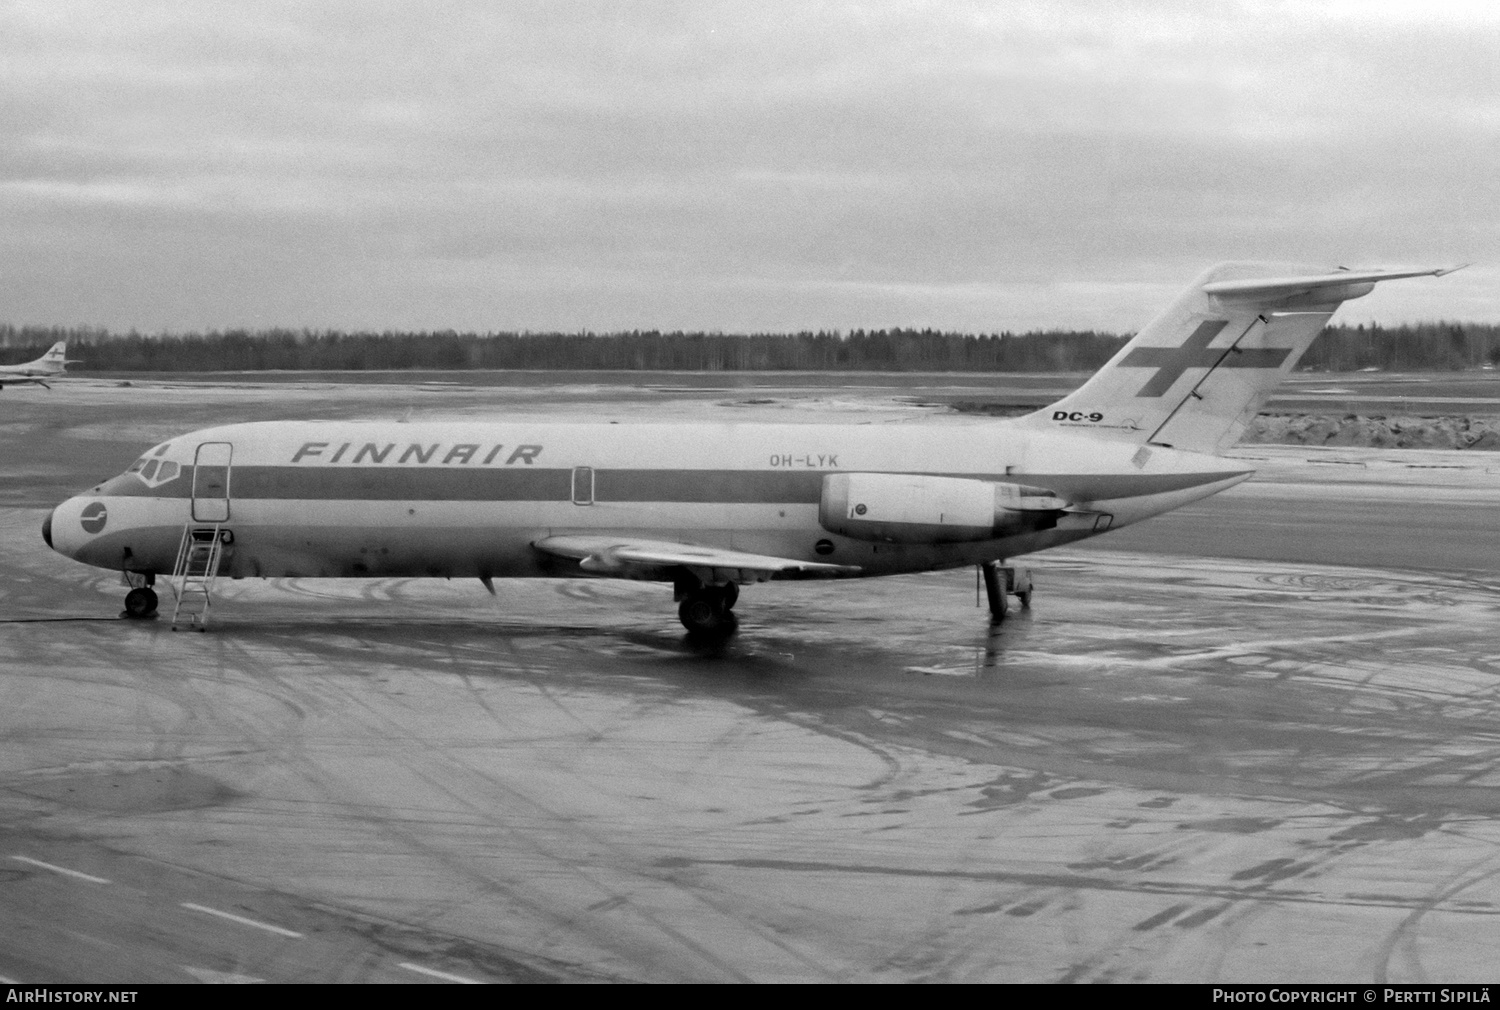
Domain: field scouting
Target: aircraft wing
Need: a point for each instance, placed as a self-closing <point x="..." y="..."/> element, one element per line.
<point x="1264" y="287"/>
<point x="619" y="555"/>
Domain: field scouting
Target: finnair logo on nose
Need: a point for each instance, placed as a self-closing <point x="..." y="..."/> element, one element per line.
<point x="93" y="517"/>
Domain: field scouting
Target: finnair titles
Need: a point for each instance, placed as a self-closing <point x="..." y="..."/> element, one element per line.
<point x="461" y="453"/>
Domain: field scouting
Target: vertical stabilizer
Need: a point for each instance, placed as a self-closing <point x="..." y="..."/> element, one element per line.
<point x="54" y="362"/>
<point x="1196" y="375"/>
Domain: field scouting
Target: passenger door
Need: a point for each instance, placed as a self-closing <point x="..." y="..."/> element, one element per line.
<point x="211" y="482"/>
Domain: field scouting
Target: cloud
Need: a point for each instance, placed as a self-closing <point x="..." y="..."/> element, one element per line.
<point x="716" y="165"/>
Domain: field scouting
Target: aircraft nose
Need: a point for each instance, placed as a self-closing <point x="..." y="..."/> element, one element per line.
<point x="63" y="528"/>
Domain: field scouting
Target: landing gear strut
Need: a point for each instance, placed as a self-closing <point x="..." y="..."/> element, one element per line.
<point x="1002" y="581"/>
<point x="707" y="610"/>
<point x="140" y="602"/>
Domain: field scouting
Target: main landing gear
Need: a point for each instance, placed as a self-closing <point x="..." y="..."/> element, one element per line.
<point x="706" y="610"/>
<point x="1002" y="582"/>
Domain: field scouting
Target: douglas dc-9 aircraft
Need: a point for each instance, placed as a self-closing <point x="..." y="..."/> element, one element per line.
<point x="712" y="507"/>
<point x="48" y="366"/>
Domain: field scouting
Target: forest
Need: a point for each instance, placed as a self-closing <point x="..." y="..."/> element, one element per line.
<point x="1425" y="347"/>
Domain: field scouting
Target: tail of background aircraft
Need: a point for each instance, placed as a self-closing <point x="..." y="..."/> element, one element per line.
<point x="1196" y="375"/>
<point x="54" y="363"/>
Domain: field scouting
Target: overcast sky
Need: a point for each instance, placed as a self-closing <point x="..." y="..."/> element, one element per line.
<point x="732" y="166"/>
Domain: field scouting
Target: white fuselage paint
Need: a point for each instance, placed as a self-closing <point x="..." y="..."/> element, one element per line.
<point x="307" y="498"/>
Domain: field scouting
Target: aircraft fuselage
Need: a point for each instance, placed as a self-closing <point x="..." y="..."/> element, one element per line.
<point x="469" y="499"/>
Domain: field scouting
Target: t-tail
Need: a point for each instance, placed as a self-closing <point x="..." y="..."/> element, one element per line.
<point x="1197" y="374"/>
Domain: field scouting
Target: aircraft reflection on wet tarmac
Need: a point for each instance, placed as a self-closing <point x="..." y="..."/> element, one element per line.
<point x="1171" y="769"/>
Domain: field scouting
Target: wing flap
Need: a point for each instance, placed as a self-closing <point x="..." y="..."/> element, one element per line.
<point x="618" y="554"/>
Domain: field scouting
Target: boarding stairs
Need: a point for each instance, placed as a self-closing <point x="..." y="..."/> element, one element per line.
<point x="199" y="554"/>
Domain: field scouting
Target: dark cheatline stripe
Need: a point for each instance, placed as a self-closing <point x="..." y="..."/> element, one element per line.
<point x="409" y="483"/>
<point x="709" y="486"/>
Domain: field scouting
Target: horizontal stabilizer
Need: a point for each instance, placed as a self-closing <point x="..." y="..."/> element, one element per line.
<point x="1279" y="287"/>
<point x="617" y="554"/>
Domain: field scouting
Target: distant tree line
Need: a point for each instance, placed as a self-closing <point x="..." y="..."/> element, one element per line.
<point x="646" y="350"/>
<point x="1443" y="347"/>
<point x="1434" y="346"/>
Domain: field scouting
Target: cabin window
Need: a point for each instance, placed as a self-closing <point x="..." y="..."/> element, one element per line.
<point x="583" y="485"/>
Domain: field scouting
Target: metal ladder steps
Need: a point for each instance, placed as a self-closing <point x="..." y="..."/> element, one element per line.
<point x="198" y="556"/>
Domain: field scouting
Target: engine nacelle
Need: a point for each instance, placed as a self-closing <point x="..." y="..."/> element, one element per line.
<point x="903" y="508"/>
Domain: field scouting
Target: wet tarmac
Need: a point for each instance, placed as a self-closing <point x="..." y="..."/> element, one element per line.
<point x="1178" y="766"/>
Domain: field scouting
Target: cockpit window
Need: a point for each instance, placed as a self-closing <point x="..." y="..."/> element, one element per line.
<point x="155" y="472"/>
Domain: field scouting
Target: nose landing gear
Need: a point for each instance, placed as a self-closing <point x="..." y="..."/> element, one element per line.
<point x="140" y="602"/>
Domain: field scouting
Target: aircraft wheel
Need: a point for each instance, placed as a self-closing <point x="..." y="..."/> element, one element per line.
<point x="704" y="613"/>
<point x="140" y="602"/>
<point x="730" y="592"/>
<point x="1025" y="597"/>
